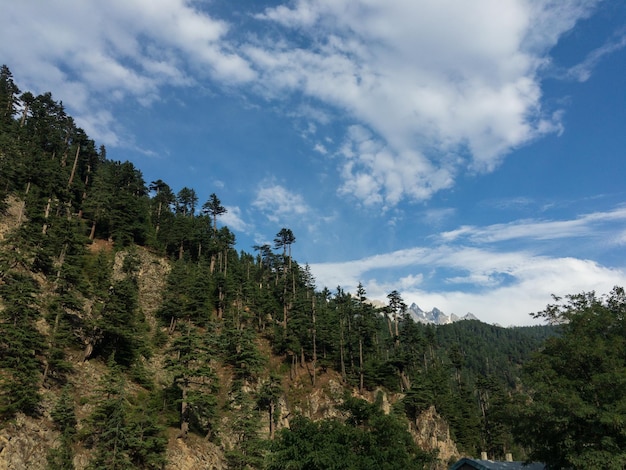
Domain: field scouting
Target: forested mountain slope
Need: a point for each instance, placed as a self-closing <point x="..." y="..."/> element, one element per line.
<point x="134" y="335"/>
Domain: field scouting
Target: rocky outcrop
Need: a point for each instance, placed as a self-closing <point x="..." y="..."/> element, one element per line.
<point x="432" y="433"/>
<point x="12" y="217"/>
<point x="24" y="444"/>
<point x="194" y="453"/>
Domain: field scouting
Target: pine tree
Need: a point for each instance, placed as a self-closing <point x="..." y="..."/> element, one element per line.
<point x="64" y="418"/>
<point x="108" y="424"/>
<point x="20" y="346"/>
<point x="194" y="380"/>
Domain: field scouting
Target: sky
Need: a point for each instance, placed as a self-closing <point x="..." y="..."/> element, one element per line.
<point x="470" y="155"/>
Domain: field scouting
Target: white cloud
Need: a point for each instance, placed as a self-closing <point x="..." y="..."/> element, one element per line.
<point x="530" y="290"/>
<point x="498" y="286"/>
<point x="582" y="71"/>
<point x="91" y="53"/>
<point x="432" y="88"/>
<point x="437" y="216"/>
<point x="278" y="203"/>
<point x="584" y="225"/>
<point x="505" y="287"/>
<point x="432" y="80"/>
<point x="320" y="148"/>
<point x="233" y="220"/>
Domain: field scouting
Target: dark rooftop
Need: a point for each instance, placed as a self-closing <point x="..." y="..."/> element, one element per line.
<point x="467" y="463"/>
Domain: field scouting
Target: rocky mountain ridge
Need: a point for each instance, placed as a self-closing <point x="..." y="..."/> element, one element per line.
<point x="436" y="316"/>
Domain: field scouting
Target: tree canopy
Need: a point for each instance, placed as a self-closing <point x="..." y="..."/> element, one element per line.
<point x="574" y="415"/>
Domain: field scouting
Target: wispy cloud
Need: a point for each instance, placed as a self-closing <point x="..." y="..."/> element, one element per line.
<point x="278" y="203"/>
<point x="492" y="285"/>
<point x="582" y="71"/>
<point x="489" y="281"/>
<point x="435" y="217"/>
<point x="443" y="89"/>
<point x="233" y="219"/>
<point x="584" y="225"/>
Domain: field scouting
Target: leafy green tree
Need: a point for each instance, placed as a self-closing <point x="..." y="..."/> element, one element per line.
<point x="239" y="347"/>
<point x="161" y="202"/>
<point x="8" y="96"/>
<point x="147" y="443"/>
<point x="119" y="328"/>
<point x="575" y="412"/>
<point x="268" y="400"/>
<point x="249" y="448"/>
<point x="395" y="309"/>
<point x="117" y="204"/>
<point x="8" y="130"/>
<point x="108" y="424"/>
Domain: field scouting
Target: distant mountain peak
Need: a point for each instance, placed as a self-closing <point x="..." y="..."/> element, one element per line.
<point x="436" y="316"/>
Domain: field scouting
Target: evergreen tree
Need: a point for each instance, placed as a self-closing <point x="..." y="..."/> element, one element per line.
<point x="214" y="208"/>
<point x="123" y="429"/>
<point x="369" y="439"/>
<point x="249" y="448"/>
<point x="575" y="411"/>
<point x="20" y="346"/>
<point x="8" y="96"/>
<point x="108" y="424"/>
<point x="64" y="418"/>
<point x="118" y="324"/>
<point x="268" y="399"/>
<point x="194" y="380"/>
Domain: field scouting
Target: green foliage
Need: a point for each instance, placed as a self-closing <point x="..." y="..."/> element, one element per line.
<point x="575" y="412"/>
<point x="490" y="350"/>
<point x="369" y="439"/>
<point x="124" y="434"/>
<point x="97" y="272"/>
<point x="118" y="324"/>
<point x="64" y="418"/>
<point x="249" y="448"/>
<point x="63" y="414"/>
<point x="193" y="380"/>
<point x="20" y="346"/>
<point x="60" y="457"/>
<point x="117" y="204"/>
<point x="241" y="351"/>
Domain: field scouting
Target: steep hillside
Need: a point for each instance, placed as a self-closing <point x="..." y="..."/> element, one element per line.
<point x="27" y="440"/>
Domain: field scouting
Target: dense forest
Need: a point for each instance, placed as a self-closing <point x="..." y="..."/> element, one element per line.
<point x="188" y="340"/>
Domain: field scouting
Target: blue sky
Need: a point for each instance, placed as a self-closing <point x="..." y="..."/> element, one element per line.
<point x="468" y="154"/>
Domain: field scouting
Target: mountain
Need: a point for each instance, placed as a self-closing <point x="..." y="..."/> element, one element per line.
<point x="436" y="316"/>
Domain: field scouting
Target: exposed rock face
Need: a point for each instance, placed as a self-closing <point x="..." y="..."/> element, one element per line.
<point x="24" y="444"/>
<point x="12" y="218"/>
<point x="194" y="454"/>
<point x="432" y="433"/>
